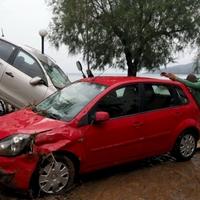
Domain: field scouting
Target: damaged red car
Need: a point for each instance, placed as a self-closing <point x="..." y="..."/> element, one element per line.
<point x="92" y="124"/>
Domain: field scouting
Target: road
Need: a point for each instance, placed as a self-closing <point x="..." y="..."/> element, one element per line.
<point x="160" y="178"/>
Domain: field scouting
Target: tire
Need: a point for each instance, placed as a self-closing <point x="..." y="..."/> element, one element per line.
<point x="56" y="175"/>
<point x="185" y="147"/>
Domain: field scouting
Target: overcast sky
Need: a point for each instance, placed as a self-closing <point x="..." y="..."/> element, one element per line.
<point x="21" y="21"/>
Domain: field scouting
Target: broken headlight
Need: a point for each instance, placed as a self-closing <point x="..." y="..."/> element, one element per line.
<point x="15" y="145"/>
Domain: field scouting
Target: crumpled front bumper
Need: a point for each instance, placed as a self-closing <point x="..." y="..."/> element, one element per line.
<point x="16" y="172"/>
<point x="6" y="177"/>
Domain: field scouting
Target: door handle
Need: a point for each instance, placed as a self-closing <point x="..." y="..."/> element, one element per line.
<point x="138" y="124"/>
<point x="10" y="74"/>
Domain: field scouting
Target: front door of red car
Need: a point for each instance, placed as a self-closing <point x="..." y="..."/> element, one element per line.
<point x="117" y="139"/>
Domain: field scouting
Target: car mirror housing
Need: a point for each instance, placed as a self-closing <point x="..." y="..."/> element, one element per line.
<point x="101" y="116"/>
<point x="36" y="81"/>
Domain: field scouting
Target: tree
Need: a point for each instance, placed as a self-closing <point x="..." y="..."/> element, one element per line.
<point x="197" y="62"/>
<point x="140" y="33"/>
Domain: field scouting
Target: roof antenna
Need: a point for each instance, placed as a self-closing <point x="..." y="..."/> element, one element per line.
<point x="2" y="34"/>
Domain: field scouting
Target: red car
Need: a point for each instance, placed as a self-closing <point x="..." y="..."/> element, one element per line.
<point x="96" y="123"/>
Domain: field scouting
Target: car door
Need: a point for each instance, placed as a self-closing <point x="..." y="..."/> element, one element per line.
<point x="15" y="84"/>
<point x="2" y="68"/>
<point x="6" y="50"/>
<point x="116" y="140"/>
<point x="161" y="112"/>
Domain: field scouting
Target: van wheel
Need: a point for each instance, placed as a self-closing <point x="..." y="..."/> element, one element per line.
<point x="185" y="147"/>
<point x="55" y="175"/>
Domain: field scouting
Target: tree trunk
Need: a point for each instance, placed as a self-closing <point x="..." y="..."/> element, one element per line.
<point x="132" y="69"/>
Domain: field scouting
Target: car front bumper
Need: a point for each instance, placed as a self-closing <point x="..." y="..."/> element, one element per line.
<point x="16" y="172"/>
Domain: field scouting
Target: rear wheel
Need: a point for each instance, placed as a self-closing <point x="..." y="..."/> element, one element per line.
<point x="55" y="175"/>
<point x="185" y="147"/>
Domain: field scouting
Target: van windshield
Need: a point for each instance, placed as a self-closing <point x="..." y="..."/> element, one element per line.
<point x="57" y="76"/>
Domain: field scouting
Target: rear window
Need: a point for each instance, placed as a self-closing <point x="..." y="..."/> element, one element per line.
<point x="181" y="96"/>
<point x="6" y="50"/>
<point x="157" y="96"/>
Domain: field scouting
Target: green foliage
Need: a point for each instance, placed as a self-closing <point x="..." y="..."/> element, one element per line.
<point x="139" y="33"/>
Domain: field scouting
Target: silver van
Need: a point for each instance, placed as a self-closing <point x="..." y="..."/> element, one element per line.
<point x="27" y="76"/>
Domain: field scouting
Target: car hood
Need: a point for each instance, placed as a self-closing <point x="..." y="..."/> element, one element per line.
<point x="27" y="122"/>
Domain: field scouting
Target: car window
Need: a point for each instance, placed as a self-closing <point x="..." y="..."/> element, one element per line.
<point x="157" y="96"/>
<point x="181" y="96"/>
<point x="28" y="65"/>
<point x="160" y="90"/>
<point x="120" y="102"/>
<point x="6" y="50"/>
<point x="120" y="92"/>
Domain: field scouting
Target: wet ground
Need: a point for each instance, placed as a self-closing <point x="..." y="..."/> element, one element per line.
<point x="160" y="178"/>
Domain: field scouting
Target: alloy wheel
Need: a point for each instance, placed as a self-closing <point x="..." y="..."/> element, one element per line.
<point x="53" y="177"/>
<point x="187" y="145"/>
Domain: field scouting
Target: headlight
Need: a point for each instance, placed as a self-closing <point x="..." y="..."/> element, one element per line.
<point x="15" y="144"/>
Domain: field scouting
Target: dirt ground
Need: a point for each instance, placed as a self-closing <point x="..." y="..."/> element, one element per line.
<point x="160" y="178"/>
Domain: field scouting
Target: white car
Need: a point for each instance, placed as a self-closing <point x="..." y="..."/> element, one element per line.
<point x="27" y="76"/>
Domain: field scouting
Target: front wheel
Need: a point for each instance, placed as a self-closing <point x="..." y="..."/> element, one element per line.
<point x="55" y="175"/>
<point x="185" y="147"/>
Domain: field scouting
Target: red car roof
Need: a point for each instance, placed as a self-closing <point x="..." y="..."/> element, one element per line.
<point x="111" y="80"/>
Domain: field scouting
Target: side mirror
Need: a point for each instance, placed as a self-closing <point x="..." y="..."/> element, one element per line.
<point x="36" y="81"/>
<point x="101" y="116"/>
<point x="80" y="68"/>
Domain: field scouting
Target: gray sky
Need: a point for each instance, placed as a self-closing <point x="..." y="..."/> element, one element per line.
<point x="21" y="21"/>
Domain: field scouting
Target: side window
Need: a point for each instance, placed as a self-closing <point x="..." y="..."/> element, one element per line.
<point x="6" y="50"/>
<point x="157" y="96"/>
<point x="121" y="102"/>
<point x="25" y="63"/>
<point x="120" y="92"/>
<point x="161" y="90"/>
<point x="181" y="96"/>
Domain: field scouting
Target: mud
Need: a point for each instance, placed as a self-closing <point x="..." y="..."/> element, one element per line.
<point x="160" y="178"/>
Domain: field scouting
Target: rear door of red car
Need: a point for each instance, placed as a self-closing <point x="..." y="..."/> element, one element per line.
<point x="162" y="112"/>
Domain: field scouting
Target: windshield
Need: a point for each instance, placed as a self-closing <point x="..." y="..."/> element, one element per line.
<point x="57" y="76"/>
<point x="65" y="104"/>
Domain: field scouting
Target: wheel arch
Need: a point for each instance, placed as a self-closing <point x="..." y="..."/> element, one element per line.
<point x="192" y="128"/>
<point x="176" y="149"/>
<point x="33" y="188"/>
<point x="74" y="158"/>
<point x="186" y="125"/>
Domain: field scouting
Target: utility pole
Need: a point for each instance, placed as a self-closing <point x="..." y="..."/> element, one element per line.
<point x="43" y="33"/>
<point x="2" y="34"/>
